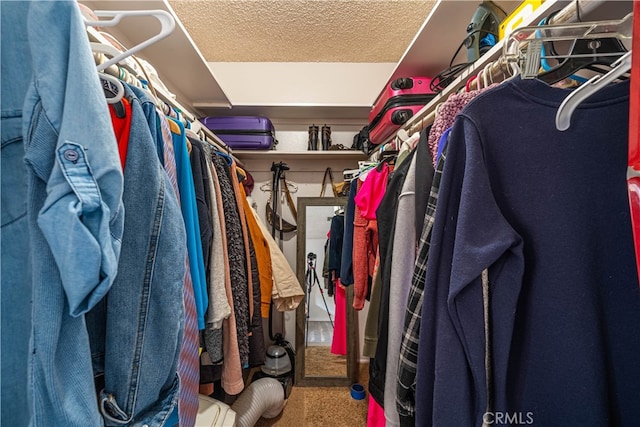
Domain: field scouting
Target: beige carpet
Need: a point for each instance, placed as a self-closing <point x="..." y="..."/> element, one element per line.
<point x="323" y="407"/>
<point x="320" y="362"/>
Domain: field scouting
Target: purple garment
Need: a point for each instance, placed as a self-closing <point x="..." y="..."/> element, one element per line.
<point x="446" y="114"/>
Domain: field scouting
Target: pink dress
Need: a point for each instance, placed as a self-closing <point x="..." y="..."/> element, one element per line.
<point x="339" y="341"/>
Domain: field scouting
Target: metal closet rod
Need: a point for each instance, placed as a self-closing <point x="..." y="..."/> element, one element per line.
<point x="426" y="118"/>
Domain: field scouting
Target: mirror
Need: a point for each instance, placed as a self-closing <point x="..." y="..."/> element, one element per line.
<point x="326" y="337"/>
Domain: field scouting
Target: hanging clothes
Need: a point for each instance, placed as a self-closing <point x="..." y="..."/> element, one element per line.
<point x="339" y="336"/>
<point x="424" y="178"/>
<point x="547" y="217"/>
<point x="408" y="358"/>
<point x="121" y="122"/>
<point x="263" y="257"/>
<point x="62" y="214"/>
<point x="447" y="113"/>
<point x="287" y="292"/>
<point x="188" y="363"/>
<point x="190" y="213"/>
<point x="231" y="375"/>
<point x="127" y="356"/>
<point x="236" y="257"/>
<point x="257" y="351"/>
<point x="365" y="235"/>
<point x="219" y="308"/>
<point x="336" y="235"/>
<point x="346" y="263"/>
<point x="404" y="254"/>
<point x="233" y="175"/>
<point x="386" y="214"/>
<point x="203" y="201"/>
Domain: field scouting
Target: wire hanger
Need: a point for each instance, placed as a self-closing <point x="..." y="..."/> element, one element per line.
<point x="167" y="23"/>
<point x="266" y="187"/>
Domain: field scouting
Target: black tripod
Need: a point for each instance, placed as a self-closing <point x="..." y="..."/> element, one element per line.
<point x="311" y="279"/>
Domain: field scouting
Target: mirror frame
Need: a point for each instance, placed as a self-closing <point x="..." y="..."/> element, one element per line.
<point x="351" y="315"/>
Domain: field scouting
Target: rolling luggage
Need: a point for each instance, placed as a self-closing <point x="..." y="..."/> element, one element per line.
<point x="243" y="132"/>
<point x="398" y="103"/>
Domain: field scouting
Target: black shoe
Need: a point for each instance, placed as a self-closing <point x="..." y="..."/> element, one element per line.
<point x="326" y="137"/>
<point x="313" y="138"/>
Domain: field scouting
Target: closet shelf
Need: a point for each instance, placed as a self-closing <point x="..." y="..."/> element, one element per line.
<point x="478" y="65"/>
<point x="179" y="63"/>
<point x="442" y="32"/>
<point x="413" y="62"/>
<point x="303" y="113"/>
<point x="274" y="155"/>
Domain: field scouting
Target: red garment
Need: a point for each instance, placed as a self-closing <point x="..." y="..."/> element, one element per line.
<point x="365" y="248"/>
<point x="339" y="341"/>
<point x="122" y="128"/>
<point x="375" y="414"/>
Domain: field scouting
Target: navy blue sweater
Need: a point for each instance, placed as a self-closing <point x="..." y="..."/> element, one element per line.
<point x="547" y="213"/>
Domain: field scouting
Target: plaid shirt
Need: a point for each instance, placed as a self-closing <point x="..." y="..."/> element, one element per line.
<point x="407" y="364"/>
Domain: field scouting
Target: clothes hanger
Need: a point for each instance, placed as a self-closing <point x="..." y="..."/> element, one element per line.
<point x="544" y="63"/>
<point x="598" y="42"/>
<point x="571" y="102"/>
<point x="108" y="84"/>
<point x="585" y="53"/>
<point x="266" y="187"/>
<point x="167" y="23"/>
<point x="226" y="156"/>
<point x="388" y="157"/>
<point x="117" y="70"/>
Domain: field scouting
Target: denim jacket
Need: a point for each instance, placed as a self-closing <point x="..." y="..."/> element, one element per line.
<point x="62" y="213"/>
<point x="137" y="332"/>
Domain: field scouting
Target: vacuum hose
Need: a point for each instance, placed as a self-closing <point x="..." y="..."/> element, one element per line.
<point x="263" y="398"/>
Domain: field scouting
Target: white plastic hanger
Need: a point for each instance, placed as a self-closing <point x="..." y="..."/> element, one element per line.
<point x="111" y="52"/>
<point x="577" y="96"/>
<point x="114" y="82"/>
<point x="167" y="23"/>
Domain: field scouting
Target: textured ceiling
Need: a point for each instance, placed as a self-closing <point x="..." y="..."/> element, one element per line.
<point x="302" y="30"/>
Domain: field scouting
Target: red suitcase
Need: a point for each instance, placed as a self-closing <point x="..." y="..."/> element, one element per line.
<point x="398" y="103"/>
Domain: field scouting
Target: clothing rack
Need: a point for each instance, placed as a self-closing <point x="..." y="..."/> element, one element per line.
<point x="495" y="68"/>
<point x="162" y="95"/>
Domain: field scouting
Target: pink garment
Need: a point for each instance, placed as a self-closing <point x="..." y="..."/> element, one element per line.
<point x="375" y="414"/>
<point x="365" y="238"/>
<point x="373" y="188"/>
<point x="339" y="341"/>
<point x="447" y="113"/>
